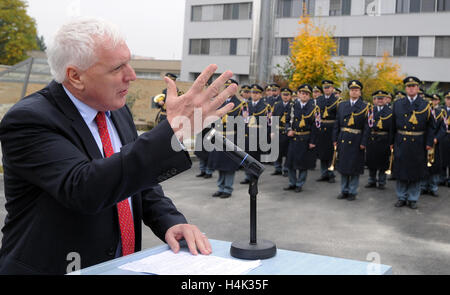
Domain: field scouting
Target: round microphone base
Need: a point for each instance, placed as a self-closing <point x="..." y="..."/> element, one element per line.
<point x="245" y="250"/>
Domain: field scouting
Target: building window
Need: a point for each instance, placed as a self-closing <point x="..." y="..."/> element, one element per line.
<point x="414" y="6"/>
<point x="199" y="46"/>
<point x="443" y="5"/>
<point x="283" y="46"/>
<point x="237" y="11"/>
<point x="385" y="45"/>
<point x="340" y="7"/>
<point x="406" y="46"/>
<point x="428" y="6"/>
<point x="196" y="14"/>
<point x="442" y="47"/>
<point x="289" y="8"/>
<point x="309" y="5"/>
<point x="342" y="46"/>
<point x="233" y="46"/>
<point x="369" y="46"/>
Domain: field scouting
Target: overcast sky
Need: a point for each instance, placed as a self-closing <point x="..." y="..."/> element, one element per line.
<point x="153" y="28"/>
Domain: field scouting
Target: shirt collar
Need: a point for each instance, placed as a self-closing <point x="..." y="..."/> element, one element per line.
<point x="86" y="112"/>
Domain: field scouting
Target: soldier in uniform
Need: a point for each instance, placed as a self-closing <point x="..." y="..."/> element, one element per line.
<point x="327" y="104"/>
<point x="350" y="135"/>
<point x="445" y="143"/>
<point x="413" y="134"/>
<point x="257" y="109"/>
<point x="378" y="146"/>
<point x="267" y="93"/>
<point x="245" y="93"/>
<point x="317" y="92"/>
<point x="218" y="160"/>
<point x="302" y="129"/>
<point x="281" y="110"/>
<point x="429" y="184"/>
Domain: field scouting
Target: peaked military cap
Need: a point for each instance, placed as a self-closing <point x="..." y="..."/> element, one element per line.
<point x="436" y="97"/>
<point x="428" y="97"/>
<point x="256" y="87"/>
<point x="286" y="90"/>
<point x="231" y="81"/>
<point x="245" y="87"/>
<point x="316" y="88"/>
<point x="355" y="84"/>
<point x="447" y="94"/>
<point x="171" y="76"/>
<point x="338" y="90"/>
<point x="380" y="93"/>
<point x="411" y="81"/>
<point x="275" y="86"/>
<point x="400" y="94"/>
<point x="305" y="87"/>
<point x="326" y="83"/>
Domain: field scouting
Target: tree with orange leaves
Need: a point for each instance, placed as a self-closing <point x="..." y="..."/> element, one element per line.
<point x="311" y="59"/>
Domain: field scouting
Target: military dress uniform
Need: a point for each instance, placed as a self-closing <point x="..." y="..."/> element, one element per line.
<point x="302" y="121"/>
<point x="218" y="160"/>
<point x="281" y="110"/>
<point x="445" y="143"/>
<point x="350" y="132"/>
<point x="274" y="98"/>
<point x="325" y="148"/>
<point x="434" y="164"/>
<point x="413" y="130"/>
<point x="378" y="150"/>
<point x="162" y="113"/>
<point x="256" y="130"/>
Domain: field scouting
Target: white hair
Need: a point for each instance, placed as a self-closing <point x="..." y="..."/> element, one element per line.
<point x="76" y="42"/>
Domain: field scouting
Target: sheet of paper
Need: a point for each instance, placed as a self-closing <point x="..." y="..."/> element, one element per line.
<point x="184" y="263"/>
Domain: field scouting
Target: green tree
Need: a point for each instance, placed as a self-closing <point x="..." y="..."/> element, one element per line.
<point x="17" y="32"/>
<point x="41" y="43"/>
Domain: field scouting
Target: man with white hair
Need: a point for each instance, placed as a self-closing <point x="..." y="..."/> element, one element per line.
<point x="77" y="177"/>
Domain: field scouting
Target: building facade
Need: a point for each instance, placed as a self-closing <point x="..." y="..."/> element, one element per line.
<point x="239" y="35"/>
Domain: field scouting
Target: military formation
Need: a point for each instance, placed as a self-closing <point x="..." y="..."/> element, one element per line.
<point x="404" y="136"/>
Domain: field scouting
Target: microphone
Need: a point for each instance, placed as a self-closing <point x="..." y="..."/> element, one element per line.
<point x="236" y="154"/>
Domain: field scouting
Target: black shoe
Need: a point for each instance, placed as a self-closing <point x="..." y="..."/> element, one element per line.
<point x="322" y="179"/>
<point x="285" y="174"/>
<point x="370" y="185"/>
<point x="413" y="205"/>
<point x="381" y="186"/>
<point x="289" y="188"/>
<point x="246" y="181"/>
<point x="298" y="189"/>
<point x="201" y="174"/>
<point x="342" y="196"/>
<point x="207" y="176"/>
<point x="351" y="197"/>
<point x="331" y="180"/>
<point x="433" y="194"/>
<point x="225" y="195"/>
<point x="217" y="194"/>
<point x="277" y="173"/>
<point x="400" y="203"/>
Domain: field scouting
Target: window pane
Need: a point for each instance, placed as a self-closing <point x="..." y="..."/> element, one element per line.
<point x="297" y="8"/>
<point x="243" y="46"/>
<point x="207" y="12"/>
<point x="335" y="7"/>
<point x="227" y="11"/>
<point x="225" y="47"/>
<point x="346" y="7"/>
<point x="343" y="46"/>
<point x="285" y="50"/>
<point x="235" y="11"/>
<point x="442" y="48"/>
<point x="413" y="46"/>
<point x="194" y="47"/>
<point x="204" y="47"/>
<point x="196" y="13"/>
<point x="215" y="47"/>
<point x="369" y="46"/>
<point x="311" y="6"/>
<point x="233" y="46"/>
<point x="402" y="6"/>
<point x="385" y="44"/>
<point x="218" y="12"/>
<point x="287" y="8"/>
<point x="428" y="5"/>
<point x="400" y="46"/>
<point x="414" y="6"/>
<point x="244" y="10"/>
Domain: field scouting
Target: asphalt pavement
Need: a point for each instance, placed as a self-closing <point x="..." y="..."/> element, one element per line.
<point x="314" y="221"/>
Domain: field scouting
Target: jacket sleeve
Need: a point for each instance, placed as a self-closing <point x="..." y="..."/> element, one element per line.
<point x="337" y="126"/>
<point x="37" y="150"/>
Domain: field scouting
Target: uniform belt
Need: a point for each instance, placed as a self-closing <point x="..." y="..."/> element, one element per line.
<point x="163" y="113"/>
<point x="281" y="127"/>
<point x="327" y="121"/>
<point x="350" y="130"/>
<point x="228" y="133"/>
<point x="302" y="133"/>
<point x="379" y="133"/>
<point x="411" y="133"/>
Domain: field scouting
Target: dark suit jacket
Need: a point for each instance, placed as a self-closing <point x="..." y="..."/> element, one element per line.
<point x="60" y="192"/>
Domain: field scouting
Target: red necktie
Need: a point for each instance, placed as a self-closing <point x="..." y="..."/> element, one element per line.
<point x="123" y="208"/>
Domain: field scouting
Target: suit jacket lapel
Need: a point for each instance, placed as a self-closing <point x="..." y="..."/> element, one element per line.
<point x="78" y="124"/>
<point x="120" y="123"/>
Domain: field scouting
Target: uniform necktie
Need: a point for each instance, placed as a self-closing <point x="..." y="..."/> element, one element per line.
<point x="123" y="208"/>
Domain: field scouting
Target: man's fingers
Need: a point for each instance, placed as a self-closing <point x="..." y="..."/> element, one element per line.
<point x="200" y="242"/>
<point x="173" y="243"/>
<point x="190" y="240"/>
<point x="214" y="89"/>
<point x="171" y="88"/>
<point x="201" y="81"/>
<point x="222" y="111"/>
<point x="220" y="99"/>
